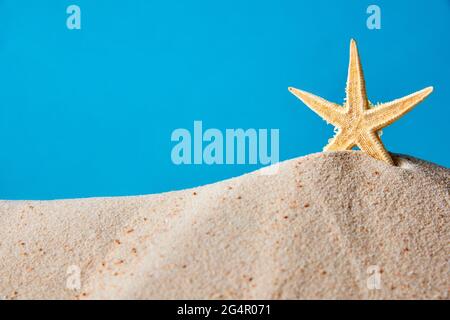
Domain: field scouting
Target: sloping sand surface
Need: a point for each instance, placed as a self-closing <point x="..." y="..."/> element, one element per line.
<point x="316" y="229"/>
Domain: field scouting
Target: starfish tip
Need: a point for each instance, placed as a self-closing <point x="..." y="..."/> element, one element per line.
<point x="427" y="91"/>
<point x="293" y="90"/>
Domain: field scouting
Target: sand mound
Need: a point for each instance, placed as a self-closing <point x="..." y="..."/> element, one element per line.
<point x="319" y="228"/>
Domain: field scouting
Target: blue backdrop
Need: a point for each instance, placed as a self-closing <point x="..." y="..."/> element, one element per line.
<point x="90" y="112"/>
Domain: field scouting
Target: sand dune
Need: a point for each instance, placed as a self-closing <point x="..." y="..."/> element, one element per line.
<point x="316" y="229"/>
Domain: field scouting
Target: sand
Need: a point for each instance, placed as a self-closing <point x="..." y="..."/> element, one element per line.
<point x="318" y="228"/>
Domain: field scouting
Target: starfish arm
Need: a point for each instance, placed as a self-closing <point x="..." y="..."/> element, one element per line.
<point x="330" y="112"/>
<point x="385" y="114"/>
<point x="342" y="141"/>
<point x="371" y="143"/>
<point x="356" y="86"/>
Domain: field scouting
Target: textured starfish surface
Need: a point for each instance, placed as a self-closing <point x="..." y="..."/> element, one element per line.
<point x="358" y="121"/>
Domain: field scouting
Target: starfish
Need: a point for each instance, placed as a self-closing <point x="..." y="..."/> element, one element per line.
<point x="358" y="121"/>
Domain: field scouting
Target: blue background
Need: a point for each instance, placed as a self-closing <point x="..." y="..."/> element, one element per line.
<point x="90" y="112"/>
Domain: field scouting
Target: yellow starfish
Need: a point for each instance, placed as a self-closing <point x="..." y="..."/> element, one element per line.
<point x="358" y="121"/>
